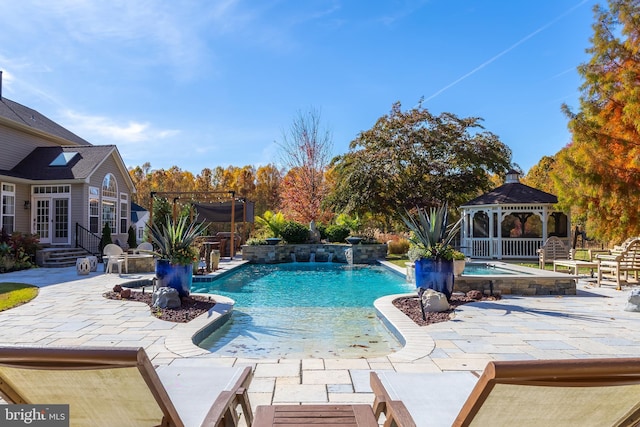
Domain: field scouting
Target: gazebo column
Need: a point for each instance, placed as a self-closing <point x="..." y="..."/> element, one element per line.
<point x="498" y="239"/>
<point x="545" y="220"/>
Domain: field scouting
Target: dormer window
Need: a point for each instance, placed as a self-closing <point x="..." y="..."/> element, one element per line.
<point x="63" y="158"/>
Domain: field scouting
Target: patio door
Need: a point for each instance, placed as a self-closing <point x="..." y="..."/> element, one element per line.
<point x="51" y="219"/>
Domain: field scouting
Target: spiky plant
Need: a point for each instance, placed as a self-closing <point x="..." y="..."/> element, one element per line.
<point x="174" y="240"/>
<point x="431" y="234"/>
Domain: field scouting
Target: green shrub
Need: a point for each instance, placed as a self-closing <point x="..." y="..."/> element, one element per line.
<point x="256" y="242"/>
<point x="337" y="233"/>
<point x="106" y="236"/>
<point x="294" y="232"/>
<point x="17" y="251"/>
<point x="322" y="229"/>
<point x="131" y="238"/>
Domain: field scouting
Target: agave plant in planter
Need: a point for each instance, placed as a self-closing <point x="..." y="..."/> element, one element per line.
<point x="176" y="251"/>
<point x="431" y="249"/>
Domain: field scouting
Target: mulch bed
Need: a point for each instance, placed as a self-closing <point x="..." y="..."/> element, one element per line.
<point x="411" y="307"/>
<point x="192" y="306"/>
<point x="195" y="305"/>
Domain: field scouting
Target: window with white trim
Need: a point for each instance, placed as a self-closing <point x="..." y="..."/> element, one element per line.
<point x="8" y="207"/>
<point x="109" y="202"/>
<point x="94" y="210"/>
<point x="124" y="212"/>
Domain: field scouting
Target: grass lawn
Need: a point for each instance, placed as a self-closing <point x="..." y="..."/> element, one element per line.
<point x="15" y="294"/>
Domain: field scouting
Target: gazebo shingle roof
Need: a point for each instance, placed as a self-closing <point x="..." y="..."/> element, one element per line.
<point x="513" y="193"/>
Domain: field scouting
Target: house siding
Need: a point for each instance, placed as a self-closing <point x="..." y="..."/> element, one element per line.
<point x="77" y="212"/>
<point x="23" y="216"/>
<point x="111" y="166"/>
<point x="16" y="145"/>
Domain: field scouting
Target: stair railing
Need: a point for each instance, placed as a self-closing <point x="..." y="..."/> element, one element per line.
<point x="87" y="240"/>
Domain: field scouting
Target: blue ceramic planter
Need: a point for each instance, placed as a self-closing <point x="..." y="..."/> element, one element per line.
<point x="176" y="276"/>
<point x="435" y="274"/>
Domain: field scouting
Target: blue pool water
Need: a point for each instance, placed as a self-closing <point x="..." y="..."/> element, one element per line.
<point x="482" y="269"/>
<point x="303" y="310"/>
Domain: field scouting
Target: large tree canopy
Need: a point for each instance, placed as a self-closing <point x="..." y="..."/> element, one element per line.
<point x="413" y="158"/>
<point x="598" y="174"/>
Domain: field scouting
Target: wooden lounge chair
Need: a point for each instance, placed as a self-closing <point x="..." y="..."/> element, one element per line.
<point x="568" y="392"/>
<point x="627" y="261"/>
<point x="553" y="249"/>
<point x="120" y="387"/>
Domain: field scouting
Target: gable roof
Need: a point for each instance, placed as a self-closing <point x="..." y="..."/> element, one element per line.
<point x="36" y="165"/>
<point x="25" y="116"/>
<point x="513" y="193"/>
<point x="137" y="212"/>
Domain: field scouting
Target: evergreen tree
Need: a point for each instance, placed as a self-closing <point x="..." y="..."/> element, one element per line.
<point x="106" y="236"/>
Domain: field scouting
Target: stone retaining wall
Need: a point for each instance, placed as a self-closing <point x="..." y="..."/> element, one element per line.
<point x="517" y="286"/>
<point x="531" y="282"/>
<point x="267" y="254"/>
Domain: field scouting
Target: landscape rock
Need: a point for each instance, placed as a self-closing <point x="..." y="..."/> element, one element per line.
<point x="434" y="301"/>
<point x="634" y="301"/>
<point x="166" y="298"/>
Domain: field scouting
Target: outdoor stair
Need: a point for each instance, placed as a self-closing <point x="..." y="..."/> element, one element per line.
<point x="59" y="257"/>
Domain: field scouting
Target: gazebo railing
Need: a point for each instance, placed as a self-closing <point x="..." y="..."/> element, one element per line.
<point x="494" y="248"/>
<point x="521" y="247"/>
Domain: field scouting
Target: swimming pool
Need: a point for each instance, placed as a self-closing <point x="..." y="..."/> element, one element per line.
<point x="304" y="310"/>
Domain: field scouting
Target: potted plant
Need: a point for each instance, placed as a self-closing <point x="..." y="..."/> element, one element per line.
<point x="174" y="242"/>
<point x="431" y="249"/>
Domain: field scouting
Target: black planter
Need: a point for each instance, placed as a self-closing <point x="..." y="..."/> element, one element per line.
<point x="353" y="240"/>
<point x="273" y="241"/>
<point x="435" y="274"/>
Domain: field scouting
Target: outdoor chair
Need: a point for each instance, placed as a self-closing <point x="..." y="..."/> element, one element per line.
<point x="568" y="392"/>
<point x="553" y="249"/>
<point x="114" y="255"/>
<point x="144" y="246"/>
<point x="627" y="261"/>
<point x="120" y="387"/>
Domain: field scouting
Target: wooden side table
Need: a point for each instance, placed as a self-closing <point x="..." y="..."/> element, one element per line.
<point x="307" y="415"/>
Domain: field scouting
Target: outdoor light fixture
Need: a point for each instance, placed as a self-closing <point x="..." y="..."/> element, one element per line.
<point x="27" y="204"/>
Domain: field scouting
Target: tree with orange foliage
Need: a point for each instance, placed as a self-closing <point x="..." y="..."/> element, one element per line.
<point x="306" y="151"/>
<point x="598" y="173"/>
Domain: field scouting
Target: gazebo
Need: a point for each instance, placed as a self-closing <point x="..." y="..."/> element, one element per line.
<point x="512" y="221"/>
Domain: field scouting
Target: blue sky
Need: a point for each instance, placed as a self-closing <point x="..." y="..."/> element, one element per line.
<point x="208" y="83"/>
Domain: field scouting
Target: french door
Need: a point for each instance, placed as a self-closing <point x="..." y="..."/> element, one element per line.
<point x="51" y="219"/>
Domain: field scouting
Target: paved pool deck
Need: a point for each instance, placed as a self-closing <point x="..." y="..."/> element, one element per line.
<point x="70" y="311"/>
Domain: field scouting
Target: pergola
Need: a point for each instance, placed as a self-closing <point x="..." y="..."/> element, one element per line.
<point x="211" y="206"/>
<point x="511" y="221"/>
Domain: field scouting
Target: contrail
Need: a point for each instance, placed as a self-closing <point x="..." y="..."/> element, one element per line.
<point x="507" y="50"/>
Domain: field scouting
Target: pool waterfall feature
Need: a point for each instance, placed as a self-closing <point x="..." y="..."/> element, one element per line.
<point x="316" y="252"/>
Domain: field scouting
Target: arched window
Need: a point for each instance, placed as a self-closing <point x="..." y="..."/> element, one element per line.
<point x="109" y="201"/>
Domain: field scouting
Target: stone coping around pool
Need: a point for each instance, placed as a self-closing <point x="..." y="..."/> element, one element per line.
<point x="416" y="342"/>
<point x="184" y="338"/>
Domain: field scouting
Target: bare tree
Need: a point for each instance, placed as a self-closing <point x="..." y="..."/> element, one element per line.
<point x="306" y="153"/>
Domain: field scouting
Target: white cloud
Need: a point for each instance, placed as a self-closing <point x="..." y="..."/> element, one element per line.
<point x="110" y="130"/>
